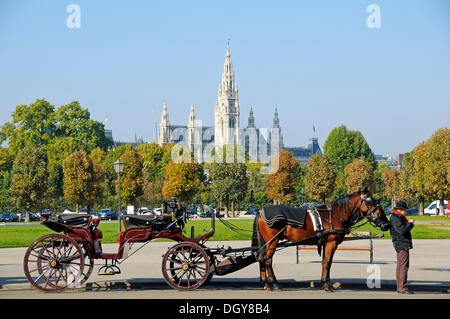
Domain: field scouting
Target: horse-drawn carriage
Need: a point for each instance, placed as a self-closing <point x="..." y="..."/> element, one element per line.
<point x="58" y="261"/>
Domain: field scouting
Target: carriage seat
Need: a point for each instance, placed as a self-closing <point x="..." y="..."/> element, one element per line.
<point x="73" y="220"/>
<point x="157" y="222"/>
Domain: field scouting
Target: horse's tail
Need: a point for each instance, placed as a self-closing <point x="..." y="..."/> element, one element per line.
<point x="257" y="238"/>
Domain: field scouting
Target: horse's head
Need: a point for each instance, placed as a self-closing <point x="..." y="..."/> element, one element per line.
<point x="372" y="211"/>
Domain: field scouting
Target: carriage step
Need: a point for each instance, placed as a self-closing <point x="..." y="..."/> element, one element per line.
<point x="109" y="269"/>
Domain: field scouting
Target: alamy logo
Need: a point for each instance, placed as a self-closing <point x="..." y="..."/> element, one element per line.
<point x="373" y="21"/>
<point x="74" y="19"/>
<point x="374" y="278"/>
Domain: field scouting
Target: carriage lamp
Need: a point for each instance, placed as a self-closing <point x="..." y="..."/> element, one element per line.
<point x="119" y="166"/>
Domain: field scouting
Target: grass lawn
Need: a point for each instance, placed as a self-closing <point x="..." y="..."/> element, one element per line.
<point x="23" y="236"/>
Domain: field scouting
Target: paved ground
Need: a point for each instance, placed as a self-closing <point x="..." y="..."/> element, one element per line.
<point x="141" y="276"/>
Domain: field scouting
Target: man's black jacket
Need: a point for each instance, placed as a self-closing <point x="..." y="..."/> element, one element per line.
<point x="400" y="232"/>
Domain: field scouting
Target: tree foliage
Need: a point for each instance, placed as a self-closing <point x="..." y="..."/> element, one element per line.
<point x="392" y="185"/>
<point x="29" y="182"/>
<point x="343" y="146"/>
<point x="183" y="180"/>
<point x="280" y="185"/>
<point x="229" y="182"/>
<point x="82" y="179"/>
<point x="358" y="175"/>
<point x="40" y="125"/>
<point x="320" y="179"/>
<point x="132" y="179"/>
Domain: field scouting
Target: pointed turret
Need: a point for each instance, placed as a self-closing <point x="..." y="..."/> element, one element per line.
<point x="251" y="119"/>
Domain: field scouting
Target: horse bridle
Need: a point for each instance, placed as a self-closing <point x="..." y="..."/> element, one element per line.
<point x="370" y="215"/>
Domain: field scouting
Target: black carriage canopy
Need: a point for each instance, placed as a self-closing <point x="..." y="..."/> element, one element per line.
<point x="276" y="214"/>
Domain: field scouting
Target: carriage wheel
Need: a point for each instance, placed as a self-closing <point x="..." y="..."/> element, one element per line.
<point x="185" y="266"/>
<point x="88" y="266"/>
<point x="54" y="262"/>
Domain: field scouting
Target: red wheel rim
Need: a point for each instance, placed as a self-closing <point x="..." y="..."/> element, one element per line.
<point x="54" y="262"/>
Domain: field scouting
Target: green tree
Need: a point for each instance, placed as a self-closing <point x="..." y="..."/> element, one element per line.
<point x="320" y="179"/>
<point x="229" y="183"/>
<point x="31" y="125"/>
<point x="343" y="146"/>
<point x="82" y="179"/>
<point x="29" y="182"/>
<point x="71" y="120"/>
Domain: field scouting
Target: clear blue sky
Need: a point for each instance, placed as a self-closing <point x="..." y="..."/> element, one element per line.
<point x="317" y="61"/>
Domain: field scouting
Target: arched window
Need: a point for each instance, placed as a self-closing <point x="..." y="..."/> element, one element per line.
<point x="232" y="122"/>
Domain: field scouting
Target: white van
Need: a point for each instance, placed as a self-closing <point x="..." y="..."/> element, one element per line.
<point x="433" y="208"/>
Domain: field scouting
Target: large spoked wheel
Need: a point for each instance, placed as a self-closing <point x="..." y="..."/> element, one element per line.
<point x="185" y="266"/>
<point x="54" y="262"/>
<point x="88" y="266"/>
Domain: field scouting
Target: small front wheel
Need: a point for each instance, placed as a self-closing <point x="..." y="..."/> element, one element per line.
<point x="54" y="262"/>
<point x="185" y="266"/>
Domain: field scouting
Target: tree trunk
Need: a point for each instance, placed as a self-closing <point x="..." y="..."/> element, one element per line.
<point x="441" y="208"/>
<point x="421" y="204"/>
<point x="27" y="217"/>
<point x="233" y="213"/>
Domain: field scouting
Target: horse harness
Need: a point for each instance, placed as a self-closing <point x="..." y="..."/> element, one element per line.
<point x="322" y="234"/>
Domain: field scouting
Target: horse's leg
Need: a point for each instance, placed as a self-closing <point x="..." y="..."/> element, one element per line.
<point x="270" y="273"/>
<point x="263" y="276"/>
<point x="327" y="259"/>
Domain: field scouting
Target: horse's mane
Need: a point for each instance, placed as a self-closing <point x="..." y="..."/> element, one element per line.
<point x="342" y="203"/>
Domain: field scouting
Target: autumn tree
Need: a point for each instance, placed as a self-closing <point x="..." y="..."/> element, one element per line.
<point x="392" y="185"/>
<point x="132" y="179"/>
<point x="320" y="178"/>
<point x="281" y="183"/>
<point x="437" y="166"/>
<point x="183" y="180"/>
<point x="358" y="175"/>
<point x="82" y="179"/>
<point x="29" y="182"/>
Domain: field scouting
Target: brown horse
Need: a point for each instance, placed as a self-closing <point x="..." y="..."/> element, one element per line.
<point x="344" y="213"/>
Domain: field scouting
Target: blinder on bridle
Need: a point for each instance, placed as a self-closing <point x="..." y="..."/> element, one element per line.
<point x="371" y="215"/>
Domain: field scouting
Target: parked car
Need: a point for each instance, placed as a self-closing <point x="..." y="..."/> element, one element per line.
<point x="388" y="210"/>
<point x="433" y="208"/>
<point x="23" y="216"/>
<point x="192" y="213"/>
<point x="108" y="214"/>
<point x="9" y="217"/>
<point x="95" y="214"/>
<point x="204" y="211"/>
<point x="412" y="211"/>
<point x="157" y="211"/>
<point x="143" y="210"/>
<point x="251" y="213"/>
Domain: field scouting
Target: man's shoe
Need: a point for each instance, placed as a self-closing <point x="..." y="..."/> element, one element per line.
<point x="405" y="292"/>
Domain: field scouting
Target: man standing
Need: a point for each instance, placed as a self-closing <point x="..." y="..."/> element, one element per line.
<point x="401" y="238"/>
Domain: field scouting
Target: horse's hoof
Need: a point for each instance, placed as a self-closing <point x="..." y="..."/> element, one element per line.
<point x="267" y="288"/>
<point x="277" y="286"/>
<point x="328" y="288"/>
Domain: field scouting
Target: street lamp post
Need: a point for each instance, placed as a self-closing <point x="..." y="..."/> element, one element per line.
<point x="119" y="167"/>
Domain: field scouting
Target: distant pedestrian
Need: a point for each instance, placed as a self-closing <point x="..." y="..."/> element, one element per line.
<point x="400" y="229"/>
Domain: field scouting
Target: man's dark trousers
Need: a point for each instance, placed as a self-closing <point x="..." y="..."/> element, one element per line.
<point x="401" y="273"/>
